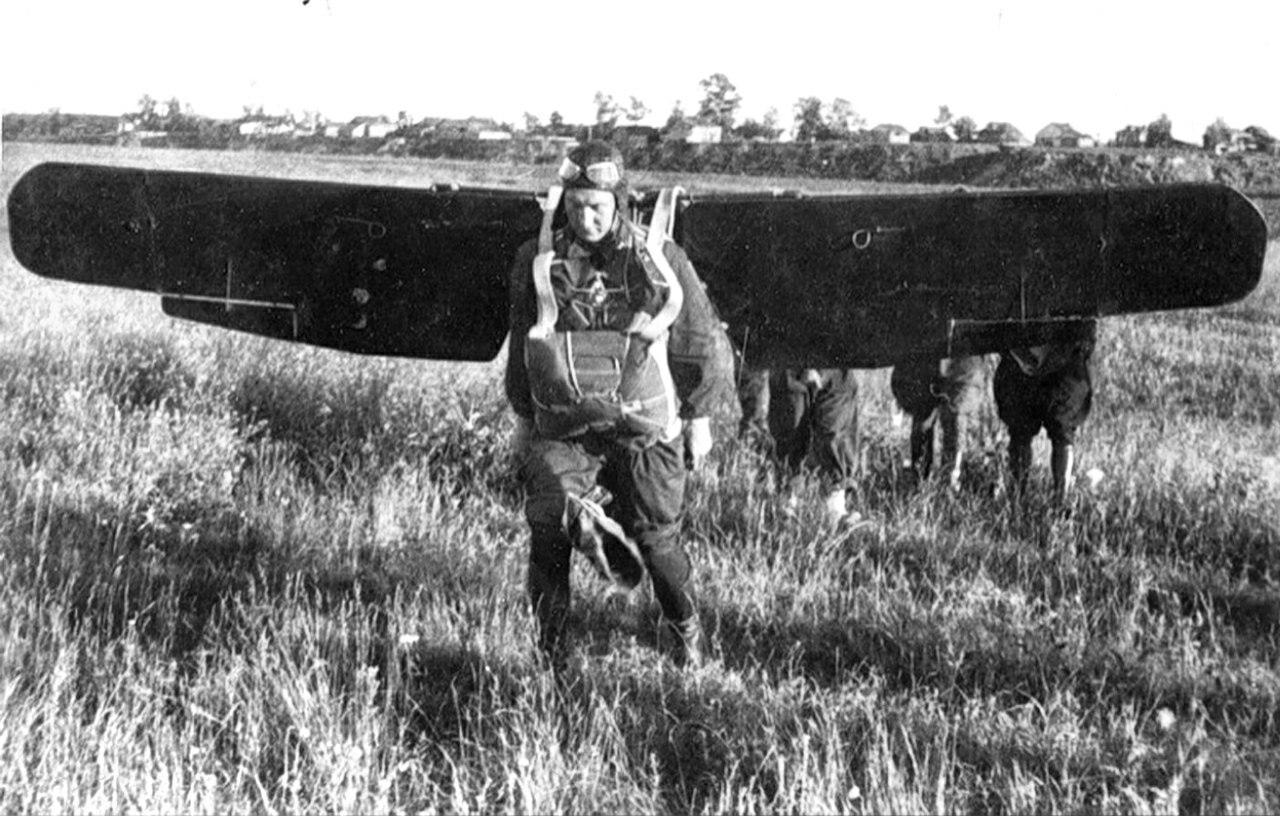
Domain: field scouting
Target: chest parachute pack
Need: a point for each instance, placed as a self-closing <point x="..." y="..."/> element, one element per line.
<point x="605" y="380"/>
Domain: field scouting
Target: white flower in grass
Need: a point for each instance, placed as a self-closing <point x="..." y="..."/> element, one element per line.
<point x="1093" y="477"/>
<point x="1166" y="719"/>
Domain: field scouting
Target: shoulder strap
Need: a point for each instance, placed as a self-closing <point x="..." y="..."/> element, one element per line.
<point x="651" y="254"/>
<point x="659" y="232"/>
<point x="548" y="312"/>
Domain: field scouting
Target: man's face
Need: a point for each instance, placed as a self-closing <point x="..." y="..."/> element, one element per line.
<point x="590" y="213"/>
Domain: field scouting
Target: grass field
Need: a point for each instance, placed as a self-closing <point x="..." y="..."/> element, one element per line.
<point x="244" y="576"/>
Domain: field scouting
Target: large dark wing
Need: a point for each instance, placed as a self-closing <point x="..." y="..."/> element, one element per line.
<point x="864" y="281"/>
<point x="368" y="269"/>
<point x="825" y="281"/>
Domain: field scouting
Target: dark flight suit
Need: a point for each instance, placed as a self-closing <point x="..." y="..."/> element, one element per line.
<point x="645" y="474"/>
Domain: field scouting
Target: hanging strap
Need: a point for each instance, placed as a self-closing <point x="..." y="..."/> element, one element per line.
<point x="660" y="227"/>
<point x="548" y="312"/>
<point x="664" y="211"/>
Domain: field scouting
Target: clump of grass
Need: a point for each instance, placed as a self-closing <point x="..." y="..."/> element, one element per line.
<point x="331" y="426"/>
<point x="138" y="370"/>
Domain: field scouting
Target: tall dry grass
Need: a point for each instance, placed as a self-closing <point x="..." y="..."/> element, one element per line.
<point x="243" y="576"/>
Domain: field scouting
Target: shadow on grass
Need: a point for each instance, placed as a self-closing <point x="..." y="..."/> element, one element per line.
<point x="351" y="431"/>
<point x="443" y="690"/>
<point x="909" y="656"/>
<point x="111" y="577"/>
<point x="166" y="584"/>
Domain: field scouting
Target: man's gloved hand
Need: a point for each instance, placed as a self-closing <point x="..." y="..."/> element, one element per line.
<point x="697" y="441"/>
<point x="521" y="439"/>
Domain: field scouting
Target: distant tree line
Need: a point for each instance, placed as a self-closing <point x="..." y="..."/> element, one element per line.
<point x="715" y="119"/>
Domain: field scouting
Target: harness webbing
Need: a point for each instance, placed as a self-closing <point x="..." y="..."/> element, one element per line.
<point x="650" y="252"/>
<point x="547" y="309"/>
<point x="660" y="226"/>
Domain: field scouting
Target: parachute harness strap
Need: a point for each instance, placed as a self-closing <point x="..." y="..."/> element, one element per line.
<point x="658" y="234"/>
<point x="660" y="228"/>
<point x="548" y="312"/>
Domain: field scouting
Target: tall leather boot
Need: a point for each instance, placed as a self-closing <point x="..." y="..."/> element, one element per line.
<point x="682" y="640"/>
<point x="548" y="586"/>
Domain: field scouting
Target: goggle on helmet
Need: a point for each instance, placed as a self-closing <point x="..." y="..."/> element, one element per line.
<point x="604" y="175"/>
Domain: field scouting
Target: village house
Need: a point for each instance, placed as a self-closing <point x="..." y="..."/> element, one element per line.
<point x="889" y="134"/>
<point x="1131" y="136"/>
<point x="1001" y="133"/>
<point x="1263" y="140"/>
<point x="130" y="129"/>
<point x="370" y="127"/>
<point x="469" y="128"/>
<point x="261" y="128"/>
<point x="927" y="134"/>
<point x="1061" y="134"/>
<point x="1221" y="141"/>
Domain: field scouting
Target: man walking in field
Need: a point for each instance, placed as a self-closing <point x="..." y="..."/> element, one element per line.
<point x="809" y="415"/>
<point x="1046" y="387"/>
<point x="611" y="372"/>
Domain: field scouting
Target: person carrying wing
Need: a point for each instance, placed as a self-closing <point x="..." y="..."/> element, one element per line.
<point x="1048" y="387"/>
<point x="810" y="415"/>
<point x="936" y="392"/>
<point x="611" y="371"/>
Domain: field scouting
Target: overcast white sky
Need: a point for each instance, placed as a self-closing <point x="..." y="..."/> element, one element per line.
<point x="1096" y="64"/>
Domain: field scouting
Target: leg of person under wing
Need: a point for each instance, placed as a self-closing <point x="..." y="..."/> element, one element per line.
<point x="1070" y="402"/>
<point x="953" y="432"/>
<point x="790" y="408"/>
<point x="834" y="439"/>
<point x="912" y="384"/>
<point x="961" y="382"/>
<point x="1020" y="462"/>
<point x="922" y="444"/>
<point x="1020" y="407"/>
<point x="1062" y="462"/>
<point x="753" y="398"/>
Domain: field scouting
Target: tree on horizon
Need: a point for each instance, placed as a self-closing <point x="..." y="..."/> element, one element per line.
<point x="720" y="102"/>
